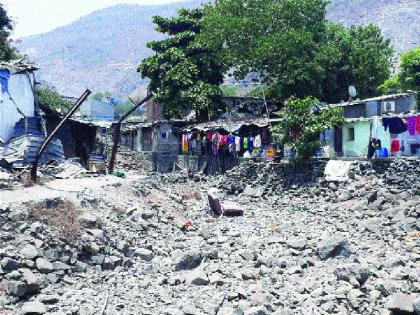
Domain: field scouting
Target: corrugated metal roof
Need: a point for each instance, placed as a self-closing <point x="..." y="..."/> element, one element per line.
<point x="372" y="99"/>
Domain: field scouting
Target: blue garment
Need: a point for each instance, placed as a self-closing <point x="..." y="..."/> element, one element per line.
<point x="231" y="139"/>
<point x="4" y="79"/>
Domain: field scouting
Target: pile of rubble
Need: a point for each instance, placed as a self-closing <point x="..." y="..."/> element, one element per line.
<point x="302" y="245"/>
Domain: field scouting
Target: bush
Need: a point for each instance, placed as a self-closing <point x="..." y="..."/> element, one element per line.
<point x="302" y="122"/>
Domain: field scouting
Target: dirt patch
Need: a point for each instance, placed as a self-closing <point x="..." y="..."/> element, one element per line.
<point x="60" y="215"/>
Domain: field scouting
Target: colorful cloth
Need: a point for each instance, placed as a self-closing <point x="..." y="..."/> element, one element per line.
<point x="209" y="135"/>
<point x="395" y="146"/>
<point x="184" y="143"/>
<point x="198" y="136"/>
<point x="411" y="125"/>
<point x="231" y="139"/>
<point x="418" y="124"/>
<point x="245" y="143"/>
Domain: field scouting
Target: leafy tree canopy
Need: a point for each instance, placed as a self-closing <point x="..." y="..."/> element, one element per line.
<point x="6" y="52"/>
<point x="97" y="96"/>
<point x="294" y="48"/>
<point x="184" y="74"/>
<point x="52" y="99"/>
<point x="409" y="76"/>
<point x="301" y="125"/>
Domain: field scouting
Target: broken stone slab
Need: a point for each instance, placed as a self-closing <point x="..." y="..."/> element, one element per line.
<point x="43" y="265"/>
<point x="400" y="303"/>
<point x="214" y="201"/>
<point x="33" y="308"/>
<point x="16" y="288"/>
<point x="231" y="209"/>
<point x="255" y="192"/>
<point x="197" y="277"/>
<point x="87" y="219"/>
<point x="144" y="254"/>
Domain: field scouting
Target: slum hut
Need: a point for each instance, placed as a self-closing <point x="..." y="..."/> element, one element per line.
<point x="17" y="96"/>
<point x="380" y="126"/>
<point x="78" y="136"/>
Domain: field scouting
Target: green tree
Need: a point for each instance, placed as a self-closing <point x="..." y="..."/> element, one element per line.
<point x="302" y="122"/>
<point x="295" y="50"/>
<point x="184" y="74"/>
<point x="410" y="70"/>
<point x="409" y="76"/>
<point x="357" y="56"/>
<point x="6" y="26"/>
<point x="229" y="90"/>
<point x="97" y="96"/>
<point x="52" y="99"/>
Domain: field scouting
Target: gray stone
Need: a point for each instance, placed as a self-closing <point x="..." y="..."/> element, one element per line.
<point x="249" y="275"/>
<point x="58" y="265"/>
<point x="48" y="299"/>
<point x="256" y="310"/>
<point x="400" y="303"/>
<point x="29" y="252"/>
<point x="16" y="288"/>
<point x="33" y="284"/>
<point x="333" y="246"/>
<point x="88" y="219"/>
<point x="189" y="260"/>
<point x="33" y="308"/>
<point x="198" y="277"/>
<point x="9" y="264"/>
<point x="144" y="254"/>
<point x="43" y="265"/>
<point x="298" y="244"/>
<point x="80" y="266"/>
<point x="416" y="306"/>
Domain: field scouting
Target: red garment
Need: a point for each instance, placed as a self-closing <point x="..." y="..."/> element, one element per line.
<point x="209" y="135"/>
<point x="418" y="124"/>
<point x="395" y="146"/>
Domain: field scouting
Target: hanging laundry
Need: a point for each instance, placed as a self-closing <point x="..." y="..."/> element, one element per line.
<point x="418" y="124"/>
<point x="251" y="144"/>
<point x="394" y="124"/>
<point x="257" y="141"/>
<point x="394" y="136"/>
<point x="193" y="143"/>
<point x="238" y="143"/>
<point x="214" y="145"/>
<point x="395" y="146"/>
<point x="231" y="139"/>
<point x="245" y="143"/>
<point x="375" y="127"/>
<point x="209" y="135"/>
<point x="4" y="79"/>
<point x="374" y="145"/>
<point x="184" y="143"/>
<point x="411" y="125"/>
<point x="198" y="136"/>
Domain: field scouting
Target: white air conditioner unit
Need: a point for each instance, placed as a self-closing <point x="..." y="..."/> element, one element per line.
<point x="388" y="106"/>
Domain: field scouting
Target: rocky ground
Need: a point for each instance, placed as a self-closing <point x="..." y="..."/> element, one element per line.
<point x="149" y="244"/>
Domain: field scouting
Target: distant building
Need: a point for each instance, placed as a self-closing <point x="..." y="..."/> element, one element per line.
<point x="103" y="110"/>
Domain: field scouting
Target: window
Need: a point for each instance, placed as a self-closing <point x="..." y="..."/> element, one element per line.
<point x="350" y="134"/>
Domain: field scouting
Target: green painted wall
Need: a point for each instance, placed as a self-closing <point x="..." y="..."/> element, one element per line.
<point x="358" y="146"/>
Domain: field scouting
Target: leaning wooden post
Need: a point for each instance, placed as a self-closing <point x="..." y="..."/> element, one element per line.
<point x="52" y="134"/>
<point x="117" y="131"/>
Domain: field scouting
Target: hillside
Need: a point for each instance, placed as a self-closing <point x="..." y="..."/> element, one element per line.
<point x="102" y="50"/>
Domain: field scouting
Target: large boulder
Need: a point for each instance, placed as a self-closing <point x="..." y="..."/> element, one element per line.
<point x="189" y="260"/>
<point x="332" y="246"/>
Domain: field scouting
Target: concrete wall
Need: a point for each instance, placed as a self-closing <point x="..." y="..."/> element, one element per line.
<point x="20" y="89"/>
<point x="358" y="146"/>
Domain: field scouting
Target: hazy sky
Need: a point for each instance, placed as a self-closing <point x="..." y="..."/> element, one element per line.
<point x="40" y="16"/>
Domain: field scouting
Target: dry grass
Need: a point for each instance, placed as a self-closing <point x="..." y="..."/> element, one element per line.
<point x="62" y="216"/>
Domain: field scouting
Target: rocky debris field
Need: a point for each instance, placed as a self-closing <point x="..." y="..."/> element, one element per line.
<point x="152" y="246"/>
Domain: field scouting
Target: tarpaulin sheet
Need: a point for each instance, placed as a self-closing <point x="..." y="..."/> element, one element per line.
<point x="337" y="170"/>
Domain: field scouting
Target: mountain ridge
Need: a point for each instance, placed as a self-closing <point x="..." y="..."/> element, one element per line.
<point x="103" y="49"/>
